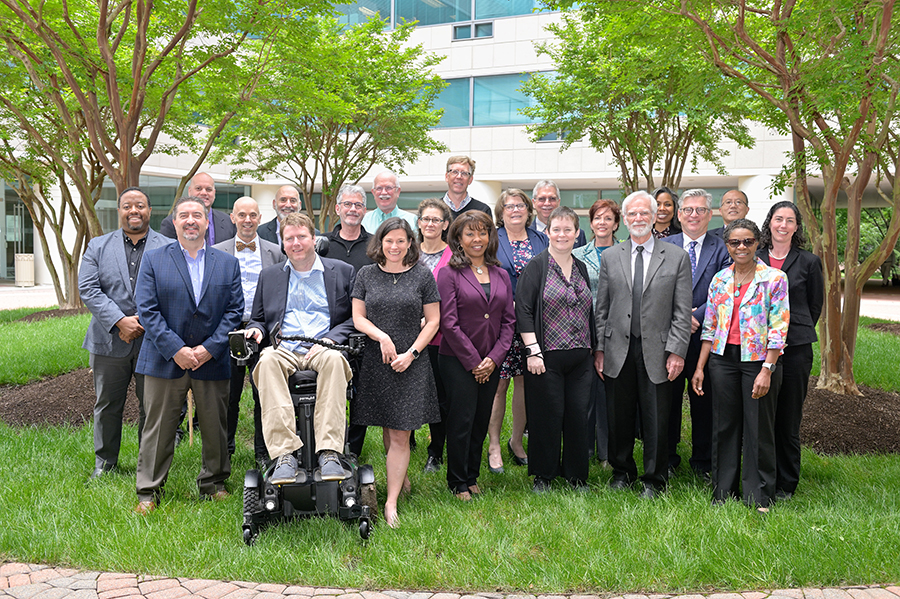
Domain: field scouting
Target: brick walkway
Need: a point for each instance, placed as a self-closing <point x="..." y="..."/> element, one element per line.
<point x="30" y="581"/>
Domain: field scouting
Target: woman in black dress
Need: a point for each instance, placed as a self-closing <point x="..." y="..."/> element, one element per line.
<point x="396" y="390"/>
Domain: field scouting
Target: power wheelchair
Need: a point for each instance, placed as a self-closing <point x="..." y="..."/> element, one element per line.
<point x="350" y="499"/>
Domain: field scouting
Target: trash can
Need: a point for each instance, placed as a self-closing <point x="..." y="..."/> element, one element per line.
<point x="24" y="270"/>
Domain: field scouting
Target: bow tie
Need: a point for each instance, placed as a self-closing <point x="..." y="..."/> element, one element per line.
<point x="241" y="246"/>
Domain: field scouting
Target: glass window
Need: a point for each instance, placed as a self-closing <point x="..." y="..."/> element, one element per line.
<point x="462" y="32"/>
<point x="410" y="201"/>
<point x="578" y="199"/>
<point x="484" y="29"/>
<point x="454" y="99"/>
<point x="434" y="12"/>
<point x="359" y="12"/>
<point x="497" y="100"/>
<point x="491" y="9"/>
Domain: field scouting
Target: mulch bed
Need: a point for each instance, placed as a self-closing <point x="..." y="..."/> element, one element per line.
<point x="44" y="314"/>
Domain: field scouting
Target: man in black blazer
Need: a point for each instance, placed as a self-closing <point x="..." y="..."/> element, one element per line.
<point x="203" y="187"/>
<point x="308" y="296"/>
<point x="253" y="254"/>
<point x="708" y="255"/>
<point x="735" y="205"/>
<point x="287" y="201"/>
<point x="546" y="199"/>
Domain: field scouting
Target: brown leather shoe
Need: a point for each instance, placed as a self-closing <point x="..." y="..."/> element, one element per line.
<point x="144" y="507"/>
<point x="463" y="496"/>
<point x="220" y="495"/>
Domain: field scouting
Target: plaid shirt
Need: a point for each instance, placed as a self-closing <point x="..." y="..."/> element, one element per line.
<point x="567" y="309"/>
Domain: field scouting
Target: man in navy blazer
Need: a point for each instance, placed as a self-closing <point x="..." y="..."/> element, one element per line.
<point x="106" y="282"/>
<point x="287" y="201"/>
<point x="308" y="296"/>
<point x="220" y="226"/>
<point x="189" y="299"/>
<point x="708" y="256"/>
<point x="253" y="254"/>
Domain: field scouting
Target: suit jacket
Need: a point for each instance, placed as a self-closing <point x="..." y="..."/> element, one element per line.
<point x="665" y="308"/>
<point x="172" y="319"/>
<point x="713" y="257"/>
<point x="224" y="228"/>
<point x="539" y="243"/>
<point x="271" y="299"/>
<point x="588" y="254"/>
<point x="718" y="232"/>
<point x="269" y="231"/>
<point x="270" y="253"/>
<point x="105" y="289"/>
<point x="806" y="292"/>
<point x="474" y="326"/>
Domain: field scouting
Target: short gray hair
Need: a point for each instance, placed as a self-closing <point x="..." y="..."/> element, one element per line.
<point x="640" y="194"/>
<point x="697" y="193"/>
<point x="545" y="183"/>
<point x="352" y="190"/>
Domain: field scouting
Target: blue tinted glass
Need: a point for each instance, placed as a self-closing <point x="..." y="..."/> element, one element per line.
<point x="434" y="12"/>
<point x="484" y="29"/>
<point x="498" y="100"/>
<point x="462" y="32"/>
<point x="492" y="9"/>
<point x="359" y="12"/>
<point x="454" y="99"/>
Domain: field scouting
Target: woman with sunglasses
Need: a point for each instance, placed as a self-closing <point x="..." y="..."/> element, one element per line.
<point x="744" y="332"/>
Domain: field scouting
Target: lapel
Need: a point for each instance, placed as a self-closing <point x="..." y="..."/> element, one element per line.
<point x="330" y="287"/>
<point x="624" y="253"/>
<point x="706" y="251"/>
<point x="469" y="276"/>
<point x="211" y="260"/>
<point x="791" y="257"/>
<point x="751" y="288"/>
<point x="656" y="260"/>
<point x="118" y="242"/>
<point x="505" y="245"/>
<point x="177" y="255"/>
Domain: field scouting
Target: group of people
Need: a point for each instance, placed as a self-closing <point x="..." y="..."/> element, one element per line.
<point x="599" y="338"/>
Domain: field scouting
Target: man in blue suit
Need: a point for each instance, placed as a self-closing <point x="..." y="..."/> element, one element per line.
<point x="189" y="298"/>
<point x="708" y="256"/>
<point x="106" y="283"/>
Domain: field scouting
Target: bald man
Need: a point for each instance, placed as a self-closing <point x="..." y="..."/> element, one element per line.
<point x="203" y="187"/>
<point x="253" y="254"/>
<point x="287" y="200"/>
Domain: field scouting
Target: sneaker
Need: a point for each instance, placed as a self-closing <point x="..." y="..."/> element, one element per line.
<point x="330" y="466"/>
<point x="285" y="470"/>
<point x="432" y="464"/>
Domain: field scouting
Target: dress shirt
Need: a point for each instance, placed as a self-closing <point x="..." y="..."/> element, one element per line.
<point x="539" y="226"/>
<point x="133" y="253"/>
<point x="453" y="208"/>
<point x="648" y="251"/>
<point x="251" y="264"/>
<point x="373" y="219"/>
<point x="306" y="312"/>
<point x="196" y="267"/>
<point x="686" y="244"/>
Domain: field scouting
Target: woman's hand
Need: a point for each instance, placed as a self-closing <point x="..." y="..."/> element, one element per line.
<point x="484" y="370"/>
<point x="536" y="364"/>
<point x="388" y="351"/>
<point x="401" y="362"/>
<point x="761" y="383"/>
<point x="697" y="381"/>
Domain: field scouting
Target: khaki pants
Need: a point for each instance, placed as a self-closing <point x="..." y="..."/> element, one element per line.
<point x="278" y="421"/>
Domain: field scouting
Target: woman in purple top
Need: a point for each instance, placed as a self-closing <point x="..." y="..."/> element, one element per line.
<point x="477" y="325"/>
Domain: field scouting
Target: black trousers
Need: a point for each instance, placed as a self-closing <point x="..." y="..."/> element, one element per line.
<point x="743" y="427"/>
<point x="438" y="429"/>
<point x="625" y="394"/>
<point x="796" y="362"/>
<point x="557" y="404"/>
<point x="701" y="415"/>
<point x="236" y="388"/>
<point x="468" y="416"/>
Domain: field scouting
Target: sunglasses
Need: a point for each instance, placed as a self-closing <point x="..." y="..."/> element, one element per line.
<point x="736" y="243"/>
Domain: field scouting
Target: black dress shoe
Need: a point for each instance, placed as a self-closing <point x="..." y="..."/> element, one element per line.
<point x="649" y="493"/>
<point x="516" y="459"/>
<point x="541" y="485"/>
<point x="100" y="471"/>
<point x="432" y="464"/>
<point x="619" y="484"/>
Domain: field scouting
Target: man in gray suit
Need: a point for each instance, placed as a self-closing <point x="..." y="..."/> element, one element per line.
<point x="254" y="254"/>
<point x="643" y="319"/>
<point x="106" y="283"/>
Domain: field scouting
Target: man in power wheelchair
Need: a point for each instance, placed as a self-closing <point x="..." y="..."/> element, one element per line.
<point x="307" y="296"/>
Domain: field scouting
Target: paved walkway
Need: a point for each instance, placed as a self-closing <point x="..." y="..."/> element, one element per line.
<point x="30" y="581"/>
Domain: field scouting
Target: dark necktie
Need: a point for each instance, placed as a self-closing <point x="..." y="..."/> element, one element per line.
<point x="250" y="246"/>
<point x="692" y="253"/>
<point x="637" y="289"/>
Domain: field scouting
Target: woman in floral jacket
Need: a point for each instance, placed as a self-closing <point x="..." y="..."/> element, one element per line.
<point x="744" y="332"/>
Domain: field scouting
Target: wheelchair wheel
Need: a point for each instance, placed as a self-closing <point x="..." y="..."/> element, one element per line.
<point x="252" y="500"/>
<point x="368" y="497"/>
<point x="365" y="529"/>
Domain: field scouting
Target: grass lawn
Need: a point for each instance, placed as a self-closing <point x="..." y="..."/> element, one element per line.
<point x="842" y="527"/>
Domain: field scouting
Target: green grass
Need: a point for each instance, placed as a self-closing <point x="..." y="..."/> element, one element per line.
<point x="32" y="350"/>
<point x="841" y="528"/>
<point x="17" y="313"/>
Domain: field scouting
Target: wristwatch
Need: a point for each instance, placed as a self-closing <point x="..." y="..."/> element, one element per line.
<point x="415" y="352"/>
<point x="769" y="365"/>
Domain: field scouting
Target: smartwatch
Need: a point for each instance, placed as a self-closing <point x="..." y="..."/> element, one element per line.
<point x="769" y="365"/>
<point x="415" y="352"/>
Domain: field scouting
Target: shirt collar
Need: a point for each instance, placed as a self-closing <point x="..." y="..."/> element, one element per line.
<point x="317" y="265"/>
<point x="200" y="253"/>
<point x="647" y="245"/>
<point x="254" y="240"/>
<point x="688" y="240"/>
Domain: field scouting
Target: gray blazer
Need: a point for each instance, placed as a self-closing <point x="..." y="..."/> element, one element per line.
<point x="665" y="308"/>
<point x="106" y="290"/>
<point x="269" y="252"/>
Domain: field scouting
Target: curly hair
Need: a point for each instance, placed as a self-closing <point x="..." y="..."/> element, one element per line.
<point x="477" y="221"/>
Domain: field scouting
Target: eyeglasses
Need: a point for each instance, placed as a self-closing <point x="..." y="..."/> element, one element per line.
<point x="514" y="207"/>
<point x="430" y="220"/>
<point x="356" y="205"/>
<point x="385" y="188"/>
<point x="635" y="213"/>
<point x="456" y="173"/>
<point x="734" y="203"/>
<point x="689" y="210"/>
<point x="543" y="199"/>
<point x="736" y="243"/>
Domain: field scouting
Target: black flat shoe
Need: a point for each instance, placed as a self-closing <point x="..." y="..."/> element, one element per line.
<point x="516" y="459"/>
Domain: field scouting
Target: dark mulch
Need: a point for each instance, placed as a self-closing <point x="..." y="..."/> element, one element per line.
<point x="885" y="327"/>
<point x="44" y="314"/>
<point x="65" y="399"/>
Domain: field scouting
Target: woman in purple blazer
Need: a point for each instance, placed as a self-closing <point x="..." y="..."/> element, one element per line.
<point x="477" y="325"/>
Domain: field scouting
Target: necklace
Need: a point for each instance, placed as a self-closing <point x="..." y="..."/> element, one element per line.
<point x="737" y="286"/>
<point x="479" y="270"/>
<point x="772" y="255"/>
<point x="397" y="278"/>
